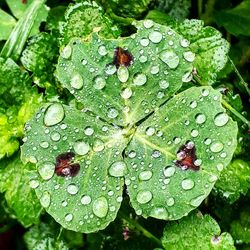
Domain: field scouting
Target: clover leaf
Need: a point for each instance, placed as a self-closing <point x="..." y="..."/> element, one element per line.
<point x="168" y="152"/>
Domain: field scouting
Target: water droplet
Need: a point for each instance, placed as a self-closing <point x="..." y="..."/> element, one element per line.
<point x="187" y="77"/>
<point x="54" y="114"/>
<point x="63" y="126"/>
<point x="99" y="82"/>
<point x="85" y="200"/>
<point x="154" y="70"/>
<point x="88" y="131"/>
<point x="45" y="199"/>
<point x="66" y="52"/>
<point x="169" y="171"/>
<point x="98" y="145"/>
<point x="81" y="147"/>
<point x="72" y="189"/>
<point x="189" y="56"/>
<point x="193" y="104"/>
<point x="143" y="59"/>
<point x="122" y="73"/>
<point x="155" y="36"/>
<point x="212" y="178"/>
<point x="197" y="201"/>
<point x="68" y="217"/>
<point x="126" y="93"/>
<point x="205" y="92"/>
<point x="34" y="183"/>
<point x="112" y="113"/>
<point x="64" y="203"/>
<point x="200" y="118"/>
<point x="132" y="154"/>
<point x="184" y="43"/>
<point x="159" y="213"/>
<point x="170" y="202"/>
<point x="164" y="84"/>
<point x="46" y="170"/>
<point x="220" y="167"/>
<point x="145" y="175"/>
<point x="216" y="147"/>
<point x="207" y="141"/>
<point x="44" y="144"/>
<point x="118" y="169"/>
<point x="187" y="184"/>
<point x="110" y="69"/>
<point x="156" y="154"/>
<point x="102" y="50"/>
<point x="144" y="196"/>
<point x="55" y="136"/>
<point x="194" y="133"/>
<point x="139" y="79"/>
<point x="148" y="24"/>
<point x="150" y="131"/>
<point x="144" y="42"/>
<point x="221" y="119"/>
<point x="76" y="81"/>
<point x="170" y="58"/>
<point x="100" y="207"/>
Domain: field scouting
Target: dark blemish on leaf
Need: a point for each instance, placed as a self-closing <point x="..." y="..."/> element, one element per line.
<point x="122" y="57"/>
<point x="24" y="1"/>
<point x="186" y="157"/>
<point x="64" y="165"/>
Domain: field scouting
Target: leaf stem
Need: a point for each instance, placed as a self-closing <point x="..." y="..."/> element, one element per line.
<point x="242" y="82"/>
<point x="144" y="231"/>
<point x="235" y="112"/>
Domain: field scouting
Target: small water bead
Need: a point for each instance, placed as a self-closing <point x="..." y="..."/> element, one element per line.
<point x="207" y="141"/>
<point x="166" y="181"/>
<point x="34" y="183"/>
<point x="66" y="52"/>
<point x="194" y="133"/>
<point x="44" y="144"/>
<point x="223" y="155"/>
<point x="200" y="118"/>
<point x="118" y="169"/>
<point x="148" y="24"/>
<point x="126" y="93"/>
<point x="64" y="203"/>
<point x="164" y="84"/>
<point x="88" y="131"/>
<point x="112" y="113"/>
<point x="119" y="199"/>
<point x="221" y="119"/>
<point x="170" y="58"/>
<point x="212" y="178"/>
<point x="46" y="170"/>
<point x="99" y="82"/>
<point x="155" y="36"/>
<point x="159" y="213"/>
<point x="81" y="147"/>
<point x="156" y="154"/>
<point x="216" y="147"/>
<point x="145" y="175"/>
<point x="100" y="207"/>
<point x="205" y="92"/>
<point x="102" y="50"/>
<point x="193" y="104"/>
<point x="220" y="167"/>
<point x="144" y="42"/>
<point x="55" y="136"/>
<point x="154" y="70"/>
<point x="122" y="73"/>
<point x="144" y="196"/>
<point x="169" y="171"/>
<point x="187" y="184"/>
<point x="110" y="69"/>
<point x="140" y="79"/>
<point x="197" y="200"/>
<point x="187" y="77"/>
<point x="85" y="200"/>
<point x="170" y="202"/>
<point x="189" y="56"/>
<point x="150" y="131"/>
<point x="198" y="162"/>
<point x="143" y="59"/>
<point x="184" y="43"/>
<point x="76" y="81"/>
<point x="132" y="154"/>
<point x="84" y="62"/>
<point x="45" y="199"/>
<point x="98" y="145"/>
<point x="171" y="43"/>
<point x="177" y="140"/>
<point x="68" y="217"/>
<point x="72" y="189"/>
<point x="54" y="114"/>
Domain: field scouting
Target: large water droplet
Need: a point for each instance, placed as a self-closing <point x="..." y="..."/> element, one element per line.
<point x="66" y="52"/>
<point x="169" y="171"/>
<point x="144" y="42"/>
<point x="118" y="169"/>
<point x="99" y="82"/>
<point x="81" y="147"/>
<point x="170" y="58"/>
<point x="221" y="119"/>
<point x="45" y="199"/>
<point x="144" y="196"/>
<point x="200" y="118"/>
<point x="216" y="147"/>
<point x="189" y="56"/>
<point x="76" y="81"/>
<point x="155" y="36"/>
<point x="110" y="69"/>
<point x="197" y="201"/>
<point x="122" y="73"/>
<point x="46" y="170"/>
<point x="145" y="175"/>
<point x="112" y="113"/>
<point x="85" y="200"/>
<point x="126" y="93"/>
<point x="72" y="189"/>
<point x="187" y="184"/>
<point x="140" y="79"/>
<point x="159" y="213"/>
<point x="68" y="217"/>
<point x="100" y="207"/>
<point x="54" y="114"/>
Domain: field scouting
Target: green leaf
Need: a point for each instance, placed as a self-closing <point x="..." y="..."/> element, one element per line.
<point x="89" y="201"/>
<point x="156" y="186"/>
<point x="83" y="18"/>
<point x="7" y="23"/>
<point x="196" y="232"/>
<point x="237" y="20"/>
<point x="234" y="181"/>
<point x="20" y="197"/>
<point x="240" y="229"/>
<point x="161" y="61"/>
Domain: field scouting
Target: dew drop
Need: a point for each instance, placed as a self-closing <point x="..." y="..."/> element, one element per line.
<point x="145" y="175"/>
<point x="212" y="178"/>
<point x="159" y="213"/>
<point x="100" y="207"/>
<point x="44" y="144"/>
<point x="34" y="183"/>
<point x="88" y="131"/>
<point x="144" y="42"/>
<point x="72" y="189"/>
<point x="45" y="199"/>
<point x="85" y="200"/>
<point x="112" y="113"/>
<point x="189" y="56"/>
<point x="220" y="167"/>
<point x="132" y="154"/>
<point x="150" y="131"/>
<point x="216" y="147"/>
<point x="55" y="136"/>
<point x="155" y="36"/>
<point x="143" y="59"/>
<point x="81" y="147"/>
<point x="110" y="69"/>
<point x="54" y="114"/>
<point x="154" y="70"/>
<point x="187" y="184"/>
<point x="122" y="73"/>
<point x="207" y="141"/>
<point x="102" y="50"/>
<point x="170" y="58"/>
<point x="139" y="79"/>
<point x="156" y="154"/>
<point x="197" y="201"/>
<point x="68" y="217"/>
<point x="46" y="170"/>
<point x="118" y="169"/>
<point x="193" y="104"/>
<point x="76" y="81"/>
<point x="98" y="145"/>
<point x="126" y="93"/>
<point x="221" y="119"/>
<point x="184" y="43"/>
<point x="164" y="84"/>
<point x="170" y="202"/>
<point x="66" y="52"/>
<point x="144" y="196"/>
<point x="194" y="133"/>
<point x="169" y="171"/>
<point x="205" y="92"/>
<point x="200" y="118"/>
<point x="148" y="24"/>
<point x="99" y="82"/>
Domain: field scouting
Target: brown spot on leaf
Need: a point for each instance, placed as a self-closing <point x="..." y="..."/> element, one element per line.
<point x="122" y="57"/>
<point x="24" y="1"/>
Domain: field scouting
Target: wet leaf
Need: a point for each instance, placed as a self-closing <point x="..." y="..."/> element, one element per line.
<point x="7" y="23"/>
<point x="196" y="232"/>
